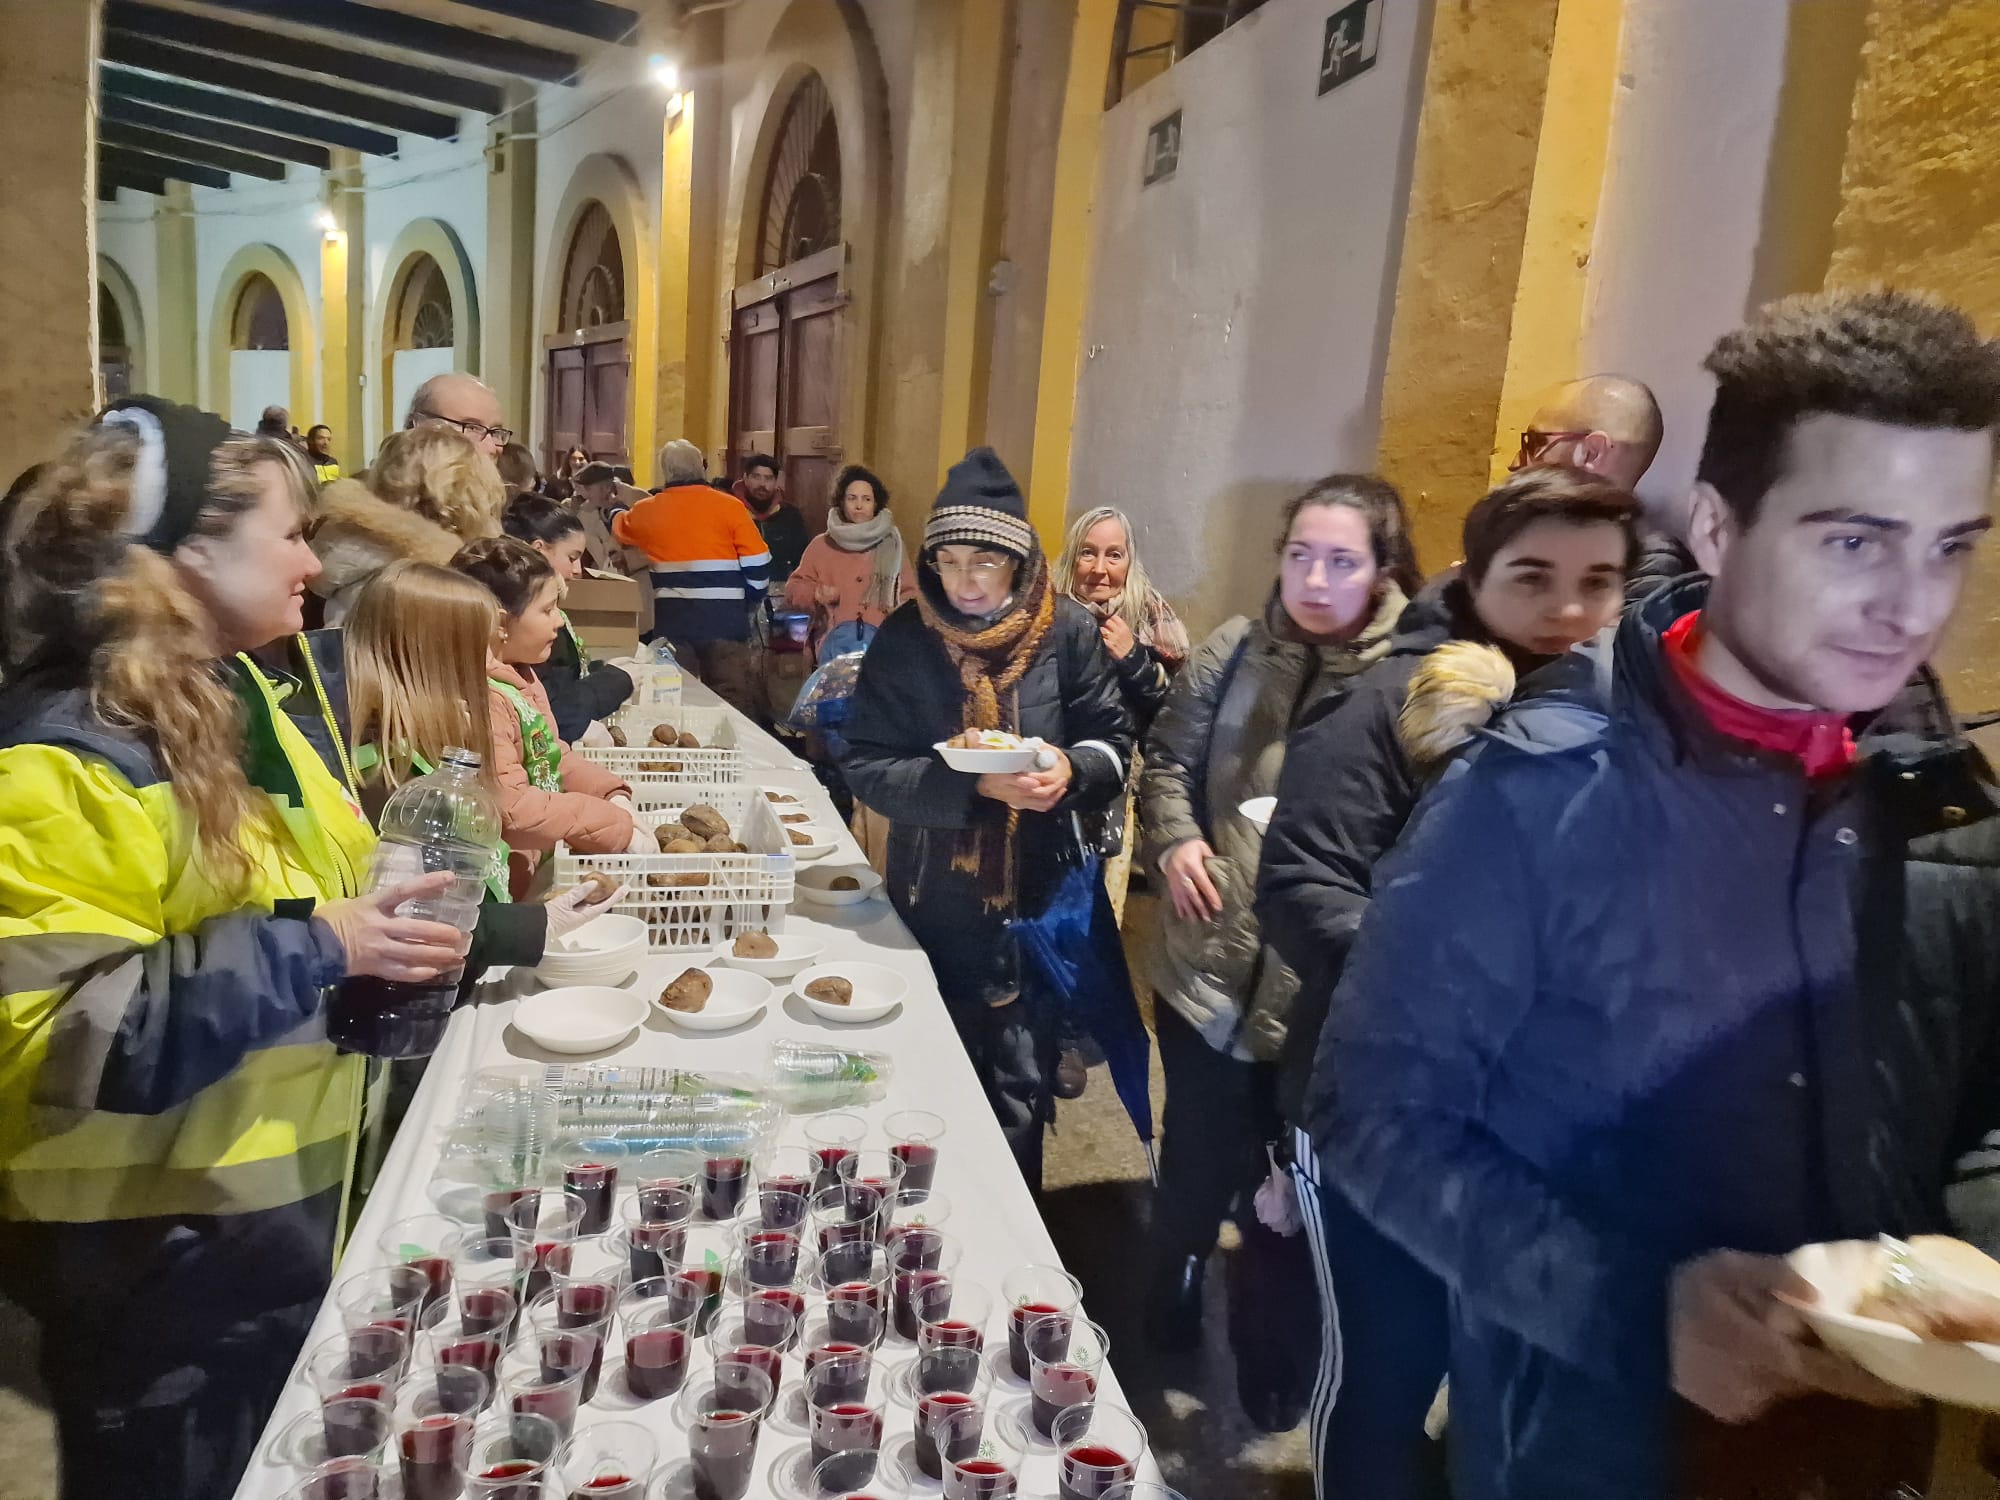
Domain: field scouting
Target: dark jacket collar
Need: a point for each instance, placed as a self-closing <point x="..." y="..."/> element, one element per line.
<point x="40" y="710"/>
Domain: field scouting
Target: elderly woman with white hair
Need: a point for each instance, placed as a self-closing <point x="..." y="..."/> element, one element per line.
<point x="1100" y="569"/>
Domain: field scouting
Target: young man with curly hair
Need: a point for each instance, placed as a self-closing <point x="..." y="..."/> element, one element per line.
<point x="1634" y="1013"/>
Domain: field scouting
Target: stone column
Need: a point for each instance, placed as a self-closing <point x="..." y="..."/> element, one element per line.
<point x="48" y="229"/>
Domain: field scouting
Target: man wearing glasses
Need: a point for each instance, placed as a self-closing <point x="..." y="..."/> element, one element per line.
<point x="1609" y="425"/>
<point x="455" y="399"/>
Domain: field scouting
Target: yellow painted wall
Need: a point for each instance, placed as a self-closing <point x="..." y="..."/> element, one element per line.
<point x="1920" y="206"/>
<point x="1477" y="144"/>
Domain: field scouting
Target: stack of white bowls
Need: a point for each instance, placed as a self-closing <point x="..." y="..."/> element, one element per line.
<point x="604" y="951"/>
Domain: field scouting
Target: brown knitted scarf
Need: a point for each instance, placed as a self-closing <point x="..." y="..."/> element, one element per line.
<point x="991" y="663"/>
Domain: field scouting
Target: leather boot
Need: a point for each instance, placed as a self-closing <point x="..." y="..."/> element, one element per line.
<point x="1173" y="1306"/>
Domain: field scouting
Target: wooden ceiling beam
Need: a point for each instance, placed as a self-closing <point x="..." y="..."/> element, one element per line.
<point x="462" y="46"/>
<point x="139" y="138"/>
<point x="592" y="18"/>
<point x="122" y="83"/>
<point x="145" y="163"/>
<point x="218" y="132"/>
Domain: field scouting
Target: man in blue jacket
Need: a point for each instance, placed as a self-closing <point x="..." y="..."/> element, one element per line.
<point x="1630" y="1018"/>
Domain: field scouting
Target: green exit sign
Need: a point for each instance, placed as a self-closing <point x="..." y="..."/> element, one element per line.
<point x="1348" y="50"/>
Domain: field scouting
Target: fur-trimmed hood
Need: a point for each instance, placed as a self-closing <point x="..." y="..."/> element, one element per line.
<point x="1456" y="691"/>
<point x="356" y="535"/>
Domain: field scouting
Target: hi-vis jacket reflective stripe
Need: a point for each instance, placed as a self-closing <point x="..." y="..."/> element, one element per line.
<point x="162" y="1049"/>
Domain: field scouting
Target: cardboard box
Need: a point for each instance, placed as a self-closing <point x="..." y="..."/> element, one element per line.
<point x="605" y="612"/>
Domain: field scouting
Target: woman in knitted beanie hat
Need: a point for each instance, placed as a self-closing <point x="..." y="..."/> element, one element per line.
<point x="988" y="643"/>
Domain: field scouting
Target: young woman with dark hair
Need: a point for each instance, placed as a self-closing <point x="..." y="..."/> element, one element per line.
<point x="580" y="690"/>
<point x="857" y="571"/>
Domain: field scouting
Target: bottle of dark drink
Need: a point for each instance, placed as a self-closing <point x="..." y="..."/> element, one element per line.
<point x="446" y="820"/>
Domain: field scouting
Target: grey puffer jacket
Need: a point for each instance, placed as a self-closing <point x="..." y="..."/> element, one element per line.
<point x="1220" y="740"/>
<point x="356" y="534"/>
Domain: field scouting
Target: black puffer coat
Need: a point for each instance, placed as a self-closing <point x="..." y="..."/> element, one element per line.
<point x="578" y="691"/>
<point x="907" y="700"/>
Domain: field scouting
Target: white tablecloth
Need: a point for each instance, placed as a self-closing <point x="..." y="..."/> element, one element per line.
<point x="991" y="1213"/>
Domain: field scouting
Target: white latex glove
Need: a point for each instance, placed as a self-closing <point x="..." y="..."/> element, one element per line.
<point x="595" y="736"/>
<point x="643" y="841"/>
<point x="379" y="943"/>
<point x="576" y="906"/>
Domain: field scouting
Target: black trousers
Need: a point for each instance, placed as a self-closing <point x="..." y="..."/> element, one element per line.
<point x="1013" y="1050"/>
<point x="1220" y="1112"/>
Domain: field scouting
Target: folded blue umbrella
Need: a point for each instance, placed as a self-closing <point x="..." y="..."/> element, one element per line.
<point x="1075" y="948"/>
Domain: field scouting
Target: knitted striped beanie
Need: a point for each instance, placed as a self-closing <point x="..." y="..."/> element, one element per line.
<point x="980" y="506"/>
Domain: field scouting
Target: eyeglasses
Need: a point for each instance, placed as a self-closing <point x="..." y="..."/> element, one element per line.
<point x="981" y="571"/>
<point x="1534" y="444"/>
<point x="477" y="431"/>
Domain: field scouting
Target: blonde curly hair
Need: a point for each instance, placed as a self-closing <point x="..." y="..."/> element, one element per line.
<point x="442" y="475"/>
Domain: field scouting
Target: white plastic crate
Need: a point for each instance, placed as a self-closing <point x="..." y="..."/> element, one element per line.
<point x="703" y="720"/>
<point x="718" y="762"/>
<point x="739" y="893"/>
<point x="665" y="797"/>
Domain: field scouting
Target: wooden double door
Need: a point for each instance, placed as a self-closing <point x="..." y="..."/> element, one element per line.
<point x="784" y="378"/>
<point x="587" y="382"/>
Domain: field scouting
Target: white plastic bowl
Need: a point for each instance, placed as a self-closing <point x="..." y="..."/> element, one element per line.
<point x="736" y="999"/>
<point x="980" y="762"/>
<point x="793" y="803"/>
<point x="1257" y="812"/>
<point x="794" y="953"/>
<point x="587" y="1018"/>
<point x="601" y="952"/>
<point x="823" y="842"/>
<point x="877" y="991"/>
<point x="816" y="884"/>
<point x="1841" y="1272"/>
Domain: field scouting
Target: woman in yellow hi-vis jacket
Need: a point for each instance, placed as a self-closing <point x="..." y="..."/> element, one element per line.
<point x="178" y="879"/>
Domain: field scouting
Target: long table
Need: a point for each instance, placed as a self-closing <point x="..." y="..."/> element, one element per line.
<point x="991" y="1213"/>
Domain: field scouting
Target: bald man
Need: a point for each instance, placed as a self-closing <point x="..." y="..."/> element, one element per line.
<point x="1609" y="425"/>
<point x="455" y="399"/>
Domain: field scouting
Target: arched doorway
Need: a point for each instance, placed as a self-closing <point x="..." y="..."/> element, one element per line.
<point x="421" y="330"/>
<point x="589" y="363"/>
<point x="785" y="364"/>
<point x="260" y="361"/>
<point x="114" y="353"/>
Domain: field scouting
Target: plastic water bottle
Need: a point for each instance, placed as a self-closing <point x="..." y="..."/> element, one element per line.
<point x="809" y="1076"/>
<point x="447" y="820"/>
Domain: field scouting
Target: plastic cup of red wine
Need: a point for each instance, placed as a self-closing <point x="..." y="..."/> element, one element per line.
<point x="955" y="1318"/>
<point x="654" y="1236"/>
<point x="921" y="1263"/>
<point x="839" y="1378"/>
<point x="855" y="1278"/>
<point x="698" y="1288"/>
<point x="852" y="1329"/>
<point x="785" y="1184"/>
<point x="590" y="1169"/>
<point x="339" y="1479"/>
<point x="1067" y="1377"/>
<point x="428" y="1242"/>
<point x="545" y="1229"/>
<point x="365" y="1363"/>
<point x="386" y="1297"/>
<point x="947" y="1427"/>
<point x="1099" y="1445"/>
<point x="845" y="1475"/>
<point x="436" y="1410"/>
<point x="872" y="1179"/>
<point x="842" y="1427"/>
<point x="608" y="1461"/>
<point x="993" y="1473"/>
<point x="572" y="1326"/>
<point x="916" y="1137"/>
<point x="722" y="1432"/>
<point x="1142" y="1489"/>
<point x="909" y="1210"/>
<point x="483" y="1261"/>
<point x="529" y="1387"/>
<point x="767" y="1258"/>
<point x="345" y="1427"/>
<point x="498" y="1202"/>
<point x="841" y="1216"/>
<point x="662" y="1179"/>
<point x="510" y="1462"/>
<point x="1032" y="1292"/>
<point x="725" y="1186"/>
<point x="659" y="1344"/>
<point x="831" y="1138"/>
<point x="448" y="1343"/>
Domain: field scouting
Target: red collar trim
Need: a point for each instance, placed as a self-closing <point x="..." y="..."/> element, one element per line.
<point x="1822" y="743"/>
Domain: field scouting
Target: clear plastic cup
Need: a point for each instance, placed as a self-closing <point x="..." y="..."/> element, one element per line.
<point x="428" y="1242"/>
<point x="993" y="1473"/>
<point x="839" y="1378"/>
<point x="842" y="1427"/>
<point x="1034" y="1292"/>
<point x="913" y="1210"/>
<point x="571" y="1339"/>
<point x="1099" y="1446"/>
<point x="449" y="1344"/>
<point x="921" y="1264"/>
<point x="821" y="1337"/>
<point x="436" y="1411"/>
<point x="544" y="1229"/>
<point x="511" y="1461"/>
<point x="844" y="1220"/>
<point x="955" y="1318"/>
<point x="386" y="1297"/>
<point x="786" y="1181"/>
<point x="948" y="1425"/>
<point x="832" y="1137"/>
<point x="768" y="1258"/>
<point x="590" y="1170"/>
<point x="528" y="1389"/>
<point x="916" y="1137"/>
<point x="853" y="1278"/>
<point x="733" y="1357"/>
<point x="340" y="1479"/>
<point x="346" y="1427"/>
<point x="725" y="1186"/>
<point x="659" y="1346"/>
<point x="609" y="1461"/>
<point x="1063" y="1372"/>
<point x="848" y="1475"/>
<point x="667" y="1180"/>
<point x="722" y="1432"/>
<point x="365" y="1363"/>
